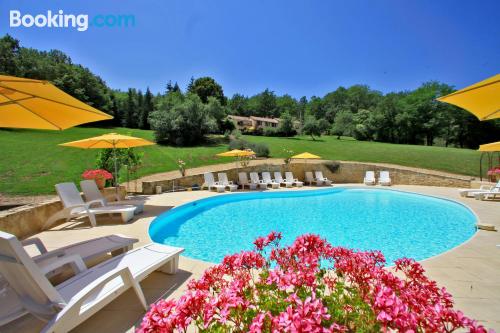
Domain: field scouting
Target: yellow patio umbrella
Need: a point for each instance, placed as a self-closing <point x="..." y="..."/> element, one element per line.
<point x="481" y="99"/>
<point x="236" y="153"/>
<point x="111" y="140"/>
<point x="306" y="156"/>
<point x="490" y="147"/>
<point x="28" y="103"/>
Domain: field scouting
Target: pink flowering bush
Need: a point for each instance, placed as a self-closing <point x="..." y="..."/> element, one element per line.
<point x="309" y="286"/>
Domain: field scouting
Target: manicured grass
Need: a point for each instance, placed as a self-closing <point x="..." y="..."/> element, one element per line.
<point x="32" y="161"/>
<point x="454" y="160"/>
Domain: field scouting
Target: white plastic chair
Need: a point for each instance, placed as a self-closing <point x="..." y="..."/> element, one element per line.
<point x="309" y="179"/>
<point x="243" y="181"/>
<point x="384" y="178"/>
<point x="279" y="179"/>
<point x="70" y="303"/>
<point x="320" y="177"/>
<point x="74" y="206"/>
<point x="254" y="178"/>
<point x="291" y="179"/>
<point x="92" y="193"/>
<point x="370" y="178"/>
<point x="87" y="250"/>
<point x="266" y="178"/>
<point x="481" y="189"/>
<point x="222" y="176"/>
<point x="211" y="184"/>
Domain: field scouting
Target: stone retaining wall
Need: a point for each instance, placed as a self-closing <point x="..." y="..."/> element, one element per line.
<point x="340" y="172"/>
<point x="27" y="220"/>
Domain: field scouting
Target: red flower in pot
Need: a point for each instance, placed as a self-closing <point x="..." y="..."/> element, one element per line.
<point x="99" y="176"/>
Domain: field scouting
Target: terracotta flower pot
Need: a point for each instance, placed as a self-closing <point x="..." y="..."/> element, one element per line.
<point x="101" y="182"/>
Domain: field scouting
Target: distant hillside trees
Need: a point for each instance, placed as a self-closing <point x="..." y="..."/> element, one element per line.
<point x="410" y="117"/>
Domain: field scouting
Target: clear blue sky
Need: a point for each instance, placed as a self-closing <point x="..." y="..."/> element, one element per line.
<point x="304" y="47"/>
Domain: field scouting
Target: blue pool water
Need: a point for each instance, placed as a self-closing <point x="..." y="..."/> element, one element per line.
<point x="399" y="224"/>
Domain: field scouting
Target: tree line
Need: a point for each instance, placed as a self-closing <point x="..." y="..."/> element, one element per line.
<point x="185" y="116"/>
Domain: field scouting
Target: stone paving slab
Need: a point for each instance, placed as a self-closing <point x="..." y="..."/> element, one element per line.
<point x="471" y="271"/>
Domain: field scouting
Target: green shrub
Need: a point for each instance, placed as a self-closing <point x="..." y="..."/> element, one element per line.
<point x="260" y="149"/>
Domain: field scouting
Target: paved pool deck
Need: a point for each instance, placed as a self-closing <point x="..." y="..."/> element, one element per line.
<point x="471" y="271"/>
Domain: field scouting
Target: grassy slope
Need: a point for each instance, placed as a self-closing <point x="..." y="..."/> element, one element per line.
<point x="31" y="161"/>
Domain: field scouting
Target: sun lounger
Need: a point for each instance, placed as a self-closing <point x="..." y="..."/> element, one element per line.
<point x="291" y="179"/>
<point x="222" y="176"/>
<point x="481" y="189"/>
<point x="369" y="178"/>
<point x="92" y="193"/>
<point x="279" y="179"/>
<point x="68" y="304"/>
<point x="266" y="178"/>
<point x="74" y="206"/>
<point x="254" y="178"/>
<point x="320" y="177"/>
<point x="243" y="181"/>
<point x="211" y="184"/>
<point x="87" y="250"/>
<point x="384" y="178"/>
<point x="492" y="194"/>
<point x="311" y="180"/>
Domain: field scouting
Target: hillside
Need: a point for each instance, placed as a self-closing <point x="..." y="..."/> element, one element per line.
<point x="33" y="162"/>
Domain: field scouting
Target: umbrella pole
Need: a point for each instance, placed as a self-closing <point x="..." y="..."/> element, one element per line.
<point x="116" y="170"/>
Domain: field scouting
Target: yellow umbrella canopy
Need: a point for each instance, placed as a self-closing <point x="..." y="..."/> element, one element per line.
<point x="236" y="153"/>
<point x="306" y="156"/>
<point x="490" y="147"/>
<point x="111" y="140"/>
<point x="27" y="103"/>
<point x="481" y="99"/>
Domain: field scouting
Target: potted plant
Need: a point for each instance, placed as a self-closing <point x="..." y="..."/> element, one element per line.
<point x="98" y="175"/>
<point x="494" y="174"/>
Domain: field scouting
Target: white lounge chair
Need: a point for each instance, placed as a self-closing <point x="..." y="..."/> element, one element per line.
<point x="492" y="194"/>
<point x="291" y="179"/>
<point x="87" y="250"/>
<point x="266" y="178"/>
<point x="70" y="303"/>
<point x="370" y="178"/>
<point x="320" y="177"/>
<point x="384" y="178"/>
<point x="254" y="179"/>
<point x="309" y="179"/>
<point x="74" y="206"/>
<point x="211" y="184"/>
<point x="222" y="176"/>
<point x="279" y="179"/>
<point x="92" y="193"/>
<point x="243" y="181"/>
<point x="481" y="189"/>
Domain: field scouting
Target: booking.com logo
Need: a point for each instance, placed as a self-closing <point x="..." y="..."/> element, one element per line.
<point x="59" y="19"/>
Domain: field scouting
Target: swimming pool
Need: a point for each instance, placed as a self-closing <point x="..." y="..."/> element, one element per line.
<point x="400" y="224"/>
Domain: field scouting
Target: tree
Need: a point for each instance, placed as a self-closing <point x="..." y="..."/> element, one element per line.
<point x="266" y="104"/>
<point x="342" y="124"/>
<point x="217" y="112"/>
<point x="186" y="122"/>
<point x="311" y="127"/>
<point x="9" y="54"/>
<point x="286" y="104"/>
<point x="129" y="111"/>
<point x="238" y="105"/>
<point x="206" y="87"/>
<point x="286" y="125"/>
<point x="147" y="108"/>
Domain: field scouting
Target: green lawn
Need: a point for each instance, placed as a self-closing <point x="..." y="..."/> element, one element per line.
<point x="32" y="161"/>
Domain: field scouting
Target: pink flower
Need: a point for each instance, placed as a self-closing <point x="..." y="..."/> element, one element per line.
<point x="96" y="174"/>
<point x="290" y="292"/>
